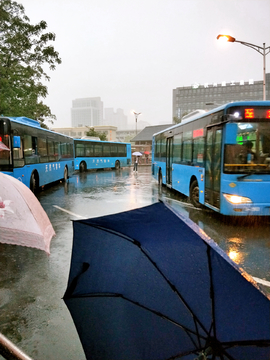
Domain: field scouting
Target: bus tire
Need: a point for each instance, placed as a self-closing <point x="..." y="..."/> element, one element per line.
<point x="194" y="194"/>
<point x="34" y="182"/>
<point x="160" y="178"/>
<point x="65" y="174"/>
<point x="82" y="166"/>
<point x="117" y="165"/>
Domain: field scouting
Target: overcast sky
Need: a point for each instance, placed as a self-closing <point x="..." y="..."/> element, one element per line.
<point x="133" y="53"/>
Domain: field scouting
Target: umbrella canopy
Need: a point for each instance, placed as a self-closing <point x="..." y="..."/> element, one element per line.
<point x="136" y="153"/>
<point x="23" y="220"/>
<point x="147" y="152"/>
<point x="149" y="284"/>
<point x="3" y="147"/>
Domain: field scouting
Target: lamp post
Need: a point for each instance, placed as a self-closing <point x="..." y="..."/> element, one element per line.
<point x="262" y="50"/>
<point x="136" y="118"/>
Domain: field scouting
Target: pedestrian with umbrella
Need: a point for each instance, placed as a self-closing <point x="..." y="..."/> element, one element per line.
<point x="136" y="164"/>
<point x="137" y="154"/>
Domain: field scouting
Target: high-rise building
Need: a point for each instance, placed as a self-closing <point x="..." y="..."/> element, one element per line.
<point x="118" y="118"/>
<point x="200" y="96"/>
<point x="87" y="112"/>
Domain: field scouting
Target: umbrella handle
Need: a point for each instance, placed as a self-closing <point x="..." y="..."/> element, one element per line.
<point x="10" y="351"/>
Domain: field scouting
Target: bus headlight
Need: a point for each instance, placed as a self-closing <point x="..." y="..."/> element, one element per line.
<point x="237" y="200"/>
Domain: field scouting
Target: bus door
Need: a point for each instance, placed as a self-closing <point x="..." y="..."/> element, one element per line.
<point x="169" y="159"/>
<point x="213" y="166"/>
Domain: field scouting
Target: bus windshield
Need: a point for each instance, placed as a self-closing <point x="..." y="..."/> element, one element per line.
<point x="248" y="150"/>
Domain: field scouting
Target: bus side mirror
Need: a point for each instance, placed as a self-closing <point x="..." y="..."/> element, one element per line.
<point x="231" y="133"/>
<point x="16" y="141"/>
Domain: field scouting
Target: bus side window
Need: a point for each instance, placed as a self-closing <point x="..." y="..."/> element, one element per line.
<point x="79" y="150"/>
<point x="18" y="160"/>
<point x="187" y="148"/>
<point x="198" y="151"/>
<point x="89" y="150"/>
<point x="51" y="151"/>
<point x="122" y="150"/>
<point x="107" y="150"/>
<point x="42" y="150"/>
<point x="34" y="146"/>
<point x="57" y="150"/>
<point x="30" y="149"/>
<point x="177" y="148"/>
<point x="157" y="148"/>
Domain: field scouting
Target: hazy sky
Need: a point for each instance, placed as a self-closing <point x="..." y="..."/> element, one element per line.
<point x="133" y="53"/>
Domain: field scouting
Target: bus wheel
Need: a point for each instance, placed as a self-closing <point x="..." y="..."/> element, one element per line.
<point x="117" y="165"/>
<point x="82" y="166"/>
<point x="160" y="178"/>
<point x="194" y="194"/>
<point x="65" y="174"/>
<point x="34" y="182"/>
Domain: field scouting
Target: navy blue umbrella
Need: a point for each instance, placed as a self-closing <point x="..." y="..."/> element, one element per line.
<point x="149" y="284"/>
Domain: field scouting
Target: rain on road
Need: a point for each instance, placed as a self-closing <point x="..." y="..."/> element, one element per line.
<point x="33" y="314"/>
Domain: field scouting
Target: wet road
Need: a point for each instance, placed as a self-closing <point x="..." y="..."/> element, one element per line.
<point x="33" y="314"/>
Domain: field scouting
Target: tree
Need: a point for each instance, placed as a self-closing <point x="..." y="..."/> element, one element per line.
<point x="94" y="133"/>
<point x="177" y="120"/>
<point x="24" y="50"/>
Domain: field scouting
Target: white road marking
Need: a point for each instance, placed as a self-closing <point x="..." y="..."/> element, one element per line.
<point x="261" y="281"/>
<point x="69" y="212"/>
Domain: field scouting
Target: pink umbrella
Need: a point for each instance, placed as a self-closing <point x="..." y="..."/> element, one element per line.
<point x="3" y="147"/>
<point x="23" y="220"/>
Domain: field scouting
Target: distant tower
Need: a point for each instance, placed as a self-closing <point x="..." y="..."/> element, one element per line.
<point x="87" y="112"/>
<point x="118" y="118"/>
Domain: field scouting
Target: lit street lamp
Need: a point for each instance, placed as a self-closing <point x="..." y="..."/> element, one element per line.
<point x="262" y="50"/>
<point x="136" y="118"/>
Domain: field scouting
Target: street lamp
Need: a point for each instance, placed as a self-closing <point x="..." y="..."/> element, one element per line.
<point x="262" y="50"/>
<point x="136" y="118"/>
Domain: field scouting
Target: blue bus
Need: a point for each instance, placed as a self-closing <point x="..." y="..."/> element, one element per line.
<point x="94" y="154"/>
<point x="32" y="154"/>
<point x="219" y="159"/>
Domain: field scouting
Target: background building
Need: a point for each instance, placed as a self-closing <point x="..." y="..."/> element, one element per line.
<point x="118" y="118"/>
<point x="79" y="132"/>
<point x="87" y="112"/>
<point x="197" y="96"/>
<point x="125" y="135"/>
<point x="142" y="142"/>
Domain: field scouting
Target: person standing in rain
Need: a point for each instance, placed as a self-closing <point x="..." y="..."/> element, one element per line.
<point x="136" y="164"/>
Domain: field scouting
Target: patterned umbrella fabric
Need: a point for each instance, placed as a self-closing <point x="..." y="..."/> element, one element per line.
<point x="23" y="220"/>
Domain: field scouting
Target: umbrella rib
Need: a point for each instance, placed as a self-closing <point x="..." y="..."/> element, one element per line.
<point x="188" y="331"/>
<point x="173" y="287"/>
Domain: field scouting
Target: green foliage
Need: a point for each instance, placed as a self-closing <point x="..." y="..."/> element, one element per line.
<point x="24" y="50"/>
<point x="176" y="120"/>
<point x="94" y="133"/>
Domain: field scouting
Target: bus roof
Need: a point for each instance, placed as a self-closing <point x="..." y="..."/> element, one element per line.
<point x="224" y="107"/>
<point x="24" y="120"/>
<point x="33" y="123"/>
<point x="101" y="141"/>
